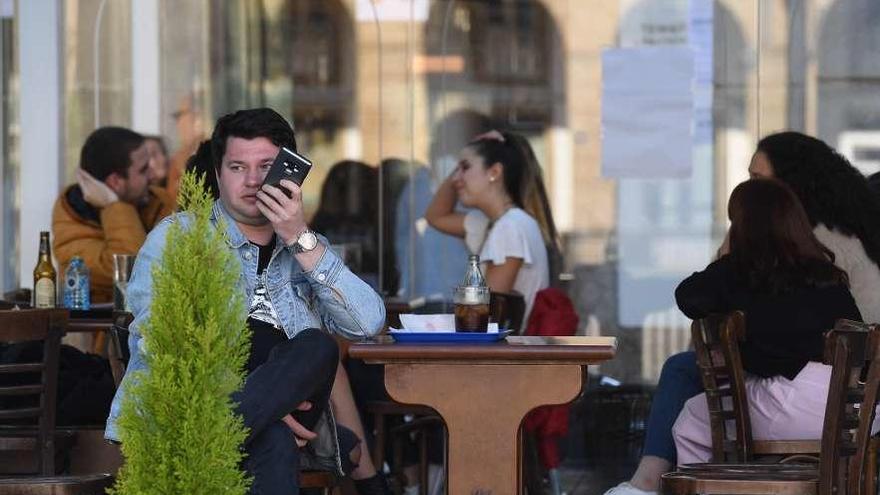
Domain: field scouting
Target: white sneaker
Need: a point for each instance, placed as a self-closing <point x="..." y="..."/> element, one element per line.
<point x="626" y="489"/>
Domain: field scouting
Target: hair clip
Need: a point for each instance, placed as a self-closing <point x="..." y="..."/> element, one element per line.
<point x="494" y="135"/>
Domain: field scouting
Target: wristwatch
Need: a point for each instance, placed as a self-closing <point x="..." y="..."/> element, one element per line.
<point x="306" y="242"/>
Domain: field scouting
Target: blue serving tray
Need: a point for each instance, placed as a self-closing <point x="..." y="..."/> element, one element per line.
<point x="447" y="337"/>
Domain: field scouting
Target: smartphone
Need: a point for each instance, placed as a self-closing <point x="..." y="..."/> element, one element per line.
<point x="288" y="165"/>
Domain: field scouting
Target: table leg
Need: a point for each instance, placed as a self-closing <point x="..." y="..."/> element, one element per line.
<point x="483" y="407"/>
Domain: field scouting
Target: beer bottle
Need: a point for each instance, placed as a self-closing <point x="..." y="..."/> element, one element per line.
<point x="44" y="276"/>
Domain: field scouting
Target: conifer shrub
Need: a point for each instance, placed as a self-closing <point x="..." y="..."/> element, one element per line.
<point x="179" y="431"/>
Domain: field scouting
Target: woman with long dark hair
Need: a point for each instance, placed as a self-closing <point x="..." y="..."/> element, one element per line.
<point x="489" y="178"/>
<point x="785" y="281"/>
<point x="347" y="214"/>
<point x="842" y="209"/>
<point x="535" y="203"/>
<point x="843" y="214"/>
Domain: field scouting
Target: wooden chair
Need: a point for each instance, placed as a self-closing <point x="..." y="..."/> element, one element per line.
<point x="716" y="341"/>
<point x="507" y="309"/>
<point x="324" y="481"/>
<point x="423" y="420"/>
<point x="20" y="297"/>
<point x="850" y="348"/>
<point x="34" y="419"/>
<point x="117" y="346"/>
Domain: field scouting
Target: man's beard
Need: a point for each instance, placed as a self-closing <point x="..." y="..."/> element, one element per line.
<point x="138" y="201"/>
<point x="144" y="200"/>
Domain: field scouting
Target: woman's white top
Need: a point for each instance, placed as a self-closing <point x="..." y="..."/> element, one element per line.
<point x="514" y="235"/>
<point x="863" y="273"/>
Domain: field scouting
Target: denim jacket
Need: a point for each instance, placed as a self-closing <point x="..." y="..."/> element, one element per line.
<point x="330" y="296"/>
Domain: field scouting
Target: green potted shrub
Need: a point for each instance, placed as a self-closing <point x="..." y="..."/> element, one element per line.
<point x="179" y="430"/>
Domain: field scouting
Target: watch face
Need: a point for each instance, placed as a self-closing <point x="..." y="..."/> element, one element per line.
<point x="308" y="240"/>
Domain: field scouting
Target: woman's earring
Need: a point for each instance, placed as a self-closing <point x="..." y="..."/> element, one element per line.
<point x="491" y="179"/>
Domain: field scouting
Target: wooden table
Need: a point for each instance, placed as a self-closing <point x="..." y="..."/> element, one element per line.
<point x="483" y="391"/>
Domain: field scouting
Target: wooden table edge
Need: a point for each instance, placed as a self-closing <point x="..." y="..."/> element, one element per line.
<point x="555" y="351"/>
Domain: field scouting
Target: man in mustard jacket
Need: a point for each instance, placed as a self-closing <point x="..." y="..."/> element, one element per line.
<point x="110" y="209"/>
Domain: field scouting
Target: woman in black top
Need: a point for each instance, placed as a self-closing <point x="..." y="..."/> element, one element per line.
<point x="785" y="281"/>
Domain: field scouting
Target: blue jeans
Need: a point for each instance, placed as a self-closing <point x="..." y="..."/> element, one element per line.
<point x="302" y="368"/>
<point x="679" y="381"/>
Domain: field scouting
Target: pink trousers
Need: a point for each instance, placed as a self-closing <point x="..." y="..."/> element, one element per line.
<point x="780" y="409"/>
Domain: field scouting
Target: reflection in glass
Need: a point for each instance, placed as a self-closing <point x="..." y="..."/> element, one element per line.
<point x="409" y="92"/>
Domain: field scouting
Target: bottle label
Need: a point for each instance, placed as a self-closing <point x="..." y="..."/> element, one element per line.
<point x="44" y="293"/>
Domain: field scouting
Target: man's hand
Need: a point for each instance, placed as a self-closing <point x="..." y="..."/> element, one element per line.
<point x="95" y="192"/>
<point x="285" y="214"/>
<point x="303" y="435"/>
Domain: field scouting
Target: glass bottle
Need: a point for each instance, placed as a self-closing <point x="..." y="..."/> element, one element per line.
<point x="473" y="276"/>
<point x="471" y="299"/>
<point x="45" y="278"/>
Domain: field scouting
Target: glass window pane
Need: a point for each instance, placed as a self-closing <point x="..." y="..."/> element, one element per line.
<point x="9" y="159"/>
<point x="384" y="95"/>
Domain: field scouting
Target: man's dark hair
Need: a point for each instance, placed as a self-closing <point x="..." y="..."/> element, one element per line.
<point x="108" y="150"/>
<point x="251" y="124"/>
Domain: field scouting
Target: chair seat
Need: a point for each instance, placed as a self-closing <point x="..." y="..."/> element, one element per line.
<point x="757" y="469"/>
<point x="847" y="459"/>
<point x="90" y="484"/>
<point x="745" y="481"/>
<point x="316" y="479"/>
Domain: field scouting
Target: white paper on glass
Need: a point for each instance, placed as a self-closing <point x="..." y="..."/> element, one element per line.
<point x="647" y="112"/>
<point x="391" y="10"/>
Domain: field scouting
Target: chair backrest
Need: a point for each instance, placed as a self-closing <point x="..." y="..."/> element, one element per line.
<point x="117" y="350"/>
<point x="20" y="297"/>
<point x="716" y="342"/>
<point x="507" y="309"/>
<point x="28" y="384"/>
<point x="851" y="349"/>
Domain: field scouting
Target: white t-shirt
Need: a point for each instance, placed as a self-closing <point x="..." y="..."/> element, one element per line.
<point x="514" y="235"/>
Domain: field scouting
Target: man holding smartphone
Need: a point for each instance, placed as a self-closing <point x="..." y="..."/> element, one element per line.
<point x="294" y="287"/>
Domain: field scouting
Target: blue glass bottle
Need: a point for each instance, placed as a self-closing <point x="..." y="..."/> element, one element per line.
<point x="76" y="285"/>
